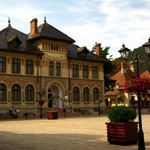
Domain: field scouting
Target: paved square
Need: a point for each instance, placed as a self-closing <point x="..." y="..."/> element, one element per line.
<point x="77" y="133"/>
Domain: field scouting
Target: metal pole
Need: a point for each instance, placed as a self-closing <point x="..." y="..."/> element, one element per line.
<point x="141" y="143"/>
<point x="99" y="110"/>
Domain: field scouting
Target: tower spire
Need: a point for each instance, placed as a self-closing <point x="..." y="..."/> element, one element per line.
<point x="9" y="25"/>
<point x="44" y="19"/>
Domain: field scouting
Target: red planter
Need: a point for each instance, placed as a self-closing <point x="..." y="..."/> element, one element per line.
<point x="52" y="115"/>
<point x="122" y="133"/>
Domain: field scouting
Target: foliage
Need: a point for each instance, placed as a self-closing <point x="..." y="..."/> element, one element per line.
<point x="121" y="114"/>
<point x="143" y="56"/>
<point x="120" y="99"/>
<point x="138" y="84"/>
<point x="109" y="67"/>
<point x="52" y="101"/>
<point x="117" y="63"/>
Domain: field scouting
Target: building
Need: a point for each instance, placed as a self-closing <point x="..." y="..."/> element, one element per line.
<point x="44" y="63"/>
<point x="119" y="96"/>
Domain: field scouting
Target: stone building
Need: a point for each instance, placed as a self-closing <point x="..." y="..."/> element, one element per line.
<point x="44" y="63"/>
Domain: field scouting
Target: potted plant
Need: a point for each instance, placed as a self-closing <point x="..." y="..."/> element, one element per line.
<point x="122" y="129"/>
<point x="52" y="113"/>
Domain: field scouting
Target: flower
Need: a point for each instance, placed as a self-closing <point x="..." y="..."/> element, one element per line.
<point x="41" y="102"/>
<point x="138" y="84"/>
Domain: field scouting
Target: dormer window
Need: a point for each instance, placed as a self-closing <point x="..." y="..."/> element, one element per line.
<point x="13" y="43"/>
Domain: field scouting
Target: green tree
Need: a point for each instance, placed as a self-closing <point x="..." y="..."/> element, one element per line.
<point x="143" y="56"/>
<point x="109" y="68"/>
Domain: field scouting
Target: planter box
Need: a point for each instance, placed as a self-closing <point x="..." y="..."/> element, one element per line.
<point x="122" y="133"/>
<point x="52" y="115"/>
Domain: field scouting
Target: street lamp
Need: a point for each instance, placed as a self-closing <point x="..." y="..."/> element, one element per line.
<point x="41" y="102"/>
<point x="124" y="53"/>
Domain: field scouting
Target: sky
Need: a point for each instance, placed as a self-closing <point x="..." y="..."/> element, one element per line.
<point x="109" y="22"/>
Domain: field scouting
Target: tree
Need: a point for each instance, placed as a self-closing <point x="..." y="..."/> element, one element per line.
<point x="109" y="68"/>
<point x="143" y="56"/>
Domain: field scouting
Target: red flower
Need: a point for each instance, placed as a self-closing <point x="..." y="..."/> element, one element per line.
<point x="141" y="84"/>
<point x="41" y="102"/>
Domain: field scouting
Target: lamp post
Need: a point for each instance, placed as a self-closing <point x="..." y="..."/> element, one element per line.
<point x="41" y="102"/>
<point x="124" y="53"/>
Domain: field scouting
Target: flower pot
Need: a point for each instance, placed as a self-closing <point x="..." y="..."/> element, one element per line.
<point x="52" y="115"/>
<point x="122" y="133"/>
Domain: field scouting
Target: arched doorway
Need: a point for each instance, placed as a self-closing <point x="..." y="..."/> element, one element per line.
<point x="56" y="90"/>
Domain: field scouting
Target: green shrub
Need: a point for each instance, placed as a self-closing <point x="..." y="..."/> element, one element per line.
<point x="121" y="114"/>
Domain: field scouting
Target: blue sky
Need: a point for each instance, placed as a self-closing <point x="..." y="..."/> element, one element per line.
<point x="109" y="22"/>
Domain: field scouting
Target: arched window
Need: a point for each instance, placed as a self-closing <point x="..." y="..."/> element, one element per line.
<point x="29" y="93"/>
<point x="96" y="94"/>
<point x="16" y="92"/>
<point x="86" y="94"/>
<point x="3" y="92"/>
<point x="76" y="94"/>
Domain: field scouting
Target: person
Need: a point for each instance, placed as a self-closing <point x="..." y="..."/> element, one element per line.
<point x="18" y="111"/>
<point x="13" y="112"/>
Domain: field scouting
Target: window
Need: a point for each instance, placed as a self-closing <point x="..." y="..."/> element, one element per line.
<point x="86" y="94"/>
<point x="54" y="47"/>
<point x="2" y="64"/>
<point x="58" y="69"/>
<point x="95" y="72"/>
<point x="15" y="65"/>
<point x="75" y="71"/>
<point x="3" y="92"/>
<point x="76" y="94"/>
<point x="96" y="94"/>
<point x="85" y="72"/>
<point x="29" y="66"/>
<point x="51" y="68"/>
<point x="16" y="92"/>
<point x="29" y="93"/>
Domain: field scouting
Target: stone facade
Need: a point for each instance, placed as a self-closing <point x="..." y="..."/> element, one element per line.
<point x="45" y="84"/>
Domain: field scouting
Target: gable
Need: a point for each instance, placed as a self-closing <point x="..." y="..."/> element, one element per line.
<point x="13" y="42"/>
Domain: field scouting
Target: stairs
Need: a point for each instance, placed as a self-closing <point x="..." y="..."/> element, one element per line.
<point x="67" y="113"/>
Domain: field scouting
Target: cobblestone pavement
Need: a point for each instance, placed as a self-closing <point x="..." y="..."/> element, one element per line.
<point x="76" y="133"/>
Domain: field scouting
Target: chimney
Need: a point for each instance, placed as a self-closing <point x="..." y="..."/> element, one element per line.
<point x="33" y="26"/>
<point x="98" y="49"/>
<point x="123" y="67"/>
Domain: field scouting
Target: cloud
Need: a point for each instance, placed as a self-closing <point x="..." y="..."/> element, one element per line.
<point x="109" y="22"/>
<point x="21" y="14"/>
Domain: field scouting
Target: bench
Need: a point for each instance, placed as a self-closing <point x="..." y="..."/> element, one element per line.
<point x="4" y="115"/>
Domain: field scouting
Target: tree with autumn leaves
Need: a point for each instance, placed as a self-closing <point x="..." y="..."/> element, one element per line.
<point x="138" y="84"/>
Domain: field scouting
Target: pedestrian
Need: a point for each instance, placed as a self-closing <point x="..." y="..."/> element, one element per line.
<point x="13" y="112"/>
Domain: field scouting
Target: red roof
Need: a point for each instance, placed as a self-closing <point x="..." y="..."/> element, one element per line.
<point x="145" y="74"/>
<point x="112" y="93"/>
<point x="122" y="77"/>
